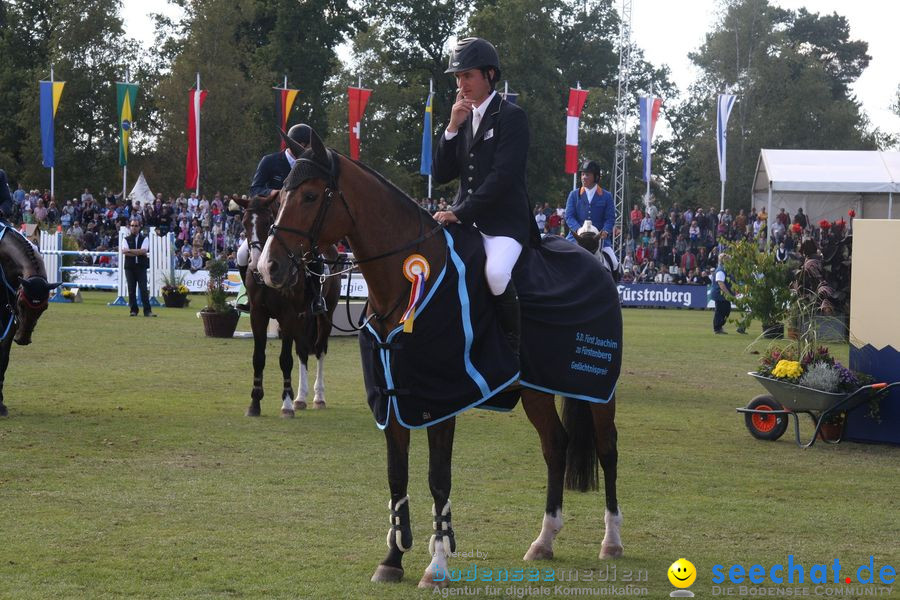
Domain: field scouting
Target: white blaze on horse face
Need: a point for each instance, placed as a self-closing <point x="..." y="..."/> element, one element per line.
<point x="254" y="243"/>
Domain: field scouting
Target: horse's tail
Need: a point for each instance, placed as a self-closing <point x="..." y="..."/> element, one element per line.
<point x="581" y="453"/>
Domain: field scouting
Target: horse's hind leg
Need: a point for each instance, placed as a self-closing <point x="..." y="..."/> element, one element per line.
<point x="258" y="323"/>
<point x="303" y="381"/>
<point x="541" y="411"/>
<point x="443" y="541"/>
<point x="399" y="538"/>
<point x="607" y="451"/>
<point x="286" y="362"/>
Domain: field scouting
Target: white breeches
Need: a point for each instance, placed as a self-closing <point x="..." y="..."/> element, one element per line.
<point x="501" y="256"/>
<point x="243" y="254"/>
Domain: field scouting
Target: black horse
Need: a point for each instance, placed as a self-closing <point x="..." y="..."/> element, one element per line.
<point x="26" y="292"/>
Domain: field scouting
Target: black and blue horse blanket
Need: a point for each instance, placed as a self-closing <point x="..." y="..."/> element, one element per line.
<point x="457" y="357"/>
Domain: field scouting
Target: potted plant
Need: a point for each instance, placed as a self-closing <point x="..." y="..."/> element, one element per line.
<point x="174" y="292"/>
<point x="219" y="317"/>
<point x="820" y="290"/>
<point x="761" y="286"/>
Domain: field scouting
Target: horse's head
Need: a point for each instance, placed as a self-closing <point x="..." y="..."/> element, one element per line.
<point x="259" y="214"/>
<point x="313" y="214"/>
<point x="31" y="302"/>
<point x="588" y="237"/>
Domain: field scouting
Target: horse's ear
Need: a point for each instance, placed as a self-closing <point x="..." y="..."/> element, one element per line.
<point x="296" y="149"/>
<point x="53" y="286"/>
<point x="266" y="201"/>
<point x="243" y="201"/>
<point x="318" y="147"/>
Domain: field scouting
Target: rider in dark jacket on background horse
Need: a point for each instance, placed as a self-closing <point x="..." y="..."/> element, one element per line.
<point x="268" y="180"/>
<point x="6" y="202"/>
<point x="485" y="145"/>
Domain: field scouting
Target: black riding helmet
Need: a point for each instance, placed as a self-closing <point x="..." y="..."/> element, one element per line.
<point x="589" y="166"/>
<point x="300" y="133"/>
<point x="474" y="53"/>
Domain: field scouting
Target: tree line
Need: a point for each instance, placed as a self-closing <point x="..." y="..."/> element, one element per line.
<point x="791" y="70"/>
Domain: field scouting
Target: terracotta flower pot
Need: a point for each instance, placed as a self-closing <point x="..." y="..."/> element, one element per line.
<point x="221" y="325"/>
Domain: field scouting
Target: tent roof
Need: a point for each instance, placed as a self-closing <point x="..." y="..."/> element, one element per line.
<point x="854" y="171"/>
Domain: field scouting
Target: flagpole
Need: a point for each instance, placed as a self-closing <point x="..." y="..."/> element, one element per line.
<point x="125" y="166"/>
<point x="649" y="144"/>
<point x="52" y="124"/>
<point x="575" y="174"/>
<point x="197" y="141"/>
<point x="430" y="92"/>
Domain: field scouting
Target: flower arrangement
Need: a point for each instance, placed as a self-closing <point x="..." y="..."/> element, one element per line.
<point x="68" y="294"/>
<point x="813" y="368"/>
<point x="173" y="284"/>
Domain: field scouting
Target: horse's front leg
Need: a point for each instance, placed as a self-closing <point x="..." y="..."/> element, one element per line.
<point x="258" y="323"/>
<point x="5" y="347"/>
<point x="286" y="362"/>
<point x="443" y="542"/>
<point x="319" y="386"/>
<point x="541" y="411"/>
<point x="399" y="537"/>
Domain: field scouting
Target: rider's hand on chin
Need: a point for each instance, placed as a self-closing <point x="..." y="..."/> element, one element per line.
<point x="445" y="217"/>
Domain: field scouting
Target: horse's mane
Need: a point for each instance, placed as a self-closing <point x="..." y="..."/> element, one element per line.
<point x="27" y="249"/>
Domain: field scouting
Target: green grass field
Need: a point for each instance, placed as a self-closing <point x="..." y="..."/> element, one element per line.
<point x="127" y="469"/>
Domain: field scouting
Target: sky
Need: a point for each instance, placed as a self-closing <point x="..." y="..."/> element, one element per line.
<point x="668" y="30"/>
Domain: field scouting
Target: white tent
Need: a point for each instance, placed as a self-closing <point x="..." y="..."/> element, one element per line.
<point x="827" y="183"/>
<point x="141" y="192"/>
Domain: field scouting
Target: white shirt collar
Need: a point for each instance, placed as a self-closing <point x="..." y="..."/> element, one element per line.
<point x="483" y="107"/>
<point x="590" y="192"/>
<point x="290" y="157"/>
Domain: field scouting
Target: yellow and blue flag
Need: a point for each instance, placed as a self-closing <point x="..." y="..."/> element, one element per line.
<point x="127" y="94"/>
<point x="51" y="91"/>
<point x="425" y="169"/>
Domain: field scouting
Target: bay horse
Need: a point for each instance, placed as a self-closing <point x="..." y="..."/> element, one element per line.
<point x="26" y="294"/>
<point x="327" y="197"/>
<point x="291" y="307"/>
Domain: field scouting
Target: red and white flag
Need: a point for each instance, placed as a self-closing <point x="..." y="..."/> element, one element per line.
<point x="577" y="98"/>
<point x="192" y="168"/>
<point x="358" y="98"/>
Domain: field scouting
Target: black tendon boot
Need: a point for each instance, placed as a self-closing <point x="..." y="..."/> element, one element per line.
<point x="243" y="306"/>
<point x="509" y="316"/>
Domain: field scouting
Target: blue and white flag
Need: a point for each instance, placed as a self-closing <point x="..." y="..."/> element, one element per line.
<point x="649" y="110"/>
<point x="723" y="110"/>
<point x="425" y="169"/>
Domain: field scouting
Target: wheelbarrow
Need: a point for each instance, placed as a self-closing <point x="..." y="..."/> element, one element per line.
<point x="767" y="415"/>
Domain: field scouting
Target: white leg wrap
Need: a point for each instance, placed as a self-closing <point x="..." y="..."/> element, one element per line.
<point x="320" y="379"/>
<point x="550" y="528"/>
<point x="303" y="388"/>
<point x="613" y="528"/>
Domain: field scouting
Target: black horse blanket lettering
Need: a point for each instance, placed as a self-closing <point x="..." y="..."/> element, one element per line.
<point x="457" y="357"/>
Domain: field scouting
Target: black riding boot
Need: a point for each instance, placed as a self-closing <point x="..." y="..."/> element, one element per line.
<point x="509" y="316"/>
<point x="243" y="306"/>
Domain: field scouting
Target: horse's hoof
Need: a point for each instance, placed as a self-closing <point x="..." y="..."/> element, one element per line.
<point x="3" y="411"/>
<point x="287" y="413"/>
<point x="608" y="551"/>
<point x="428" y="582"/>
<point x="252" y="412"/>
<point x="319" y="404"/>
<point x="299" y="405"/>
<point x="386" y="574"/>
<point x="538" y="552"/>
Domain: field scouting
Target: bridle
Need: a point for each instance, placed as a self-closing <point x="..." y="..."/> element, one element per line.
<point x="312" y="262"/>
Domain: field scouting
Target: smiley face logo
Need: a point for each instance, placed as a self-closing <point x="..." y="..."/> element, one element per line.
<point x="682" y="573"/>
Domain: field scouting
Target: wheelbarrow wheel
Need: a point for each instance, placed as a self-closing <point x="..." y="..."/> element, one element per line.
<point x="765" y="427"/>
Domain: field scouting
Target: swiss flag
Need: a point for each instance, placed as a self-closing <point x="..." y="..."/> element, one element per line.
<point x="358" y="98"/>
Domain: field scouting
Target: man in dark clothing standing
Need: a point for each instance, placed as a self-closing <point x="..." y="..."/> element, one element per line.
<point x="6" y="202"/>
<point x="485" y="145"/>
<point x="721" y="295"/>
<point x="137" y="261"/>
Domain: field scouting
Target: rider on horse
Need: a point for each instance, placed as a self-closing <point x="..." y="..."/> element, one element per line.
<point x="485" y="145"/>
<point x="591" y="203"/>
<point x="270" y="174"/>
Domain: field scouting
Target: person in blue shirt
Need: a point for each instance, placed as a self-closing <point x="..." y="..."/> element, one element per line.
<point x="591" y="203"/>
